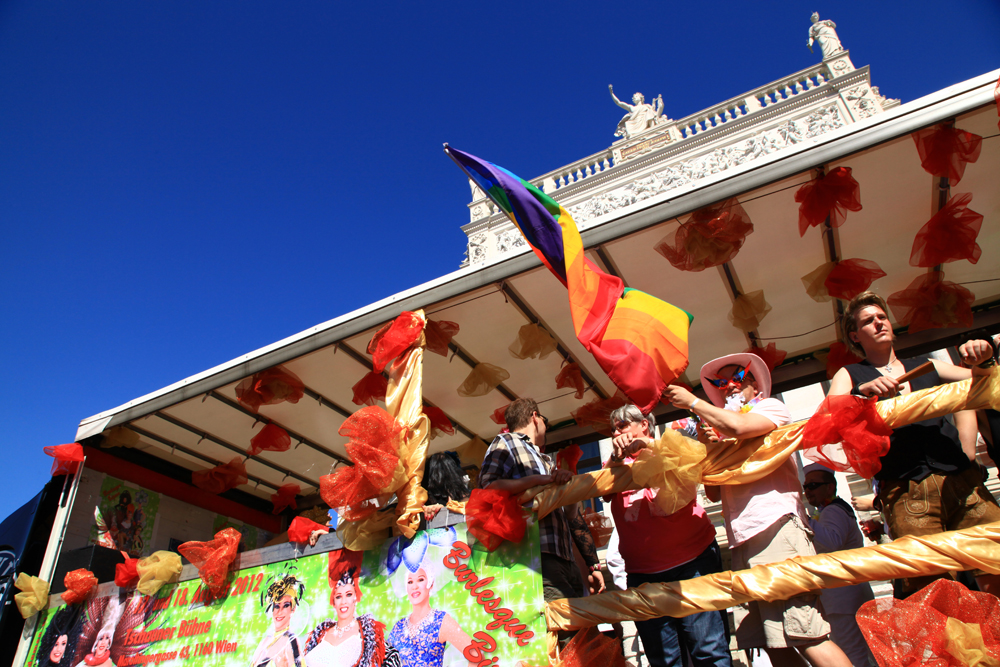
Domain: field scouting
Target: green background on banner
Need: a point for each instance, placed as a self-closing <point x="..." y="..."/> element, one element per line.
<point x="238" y="621"/>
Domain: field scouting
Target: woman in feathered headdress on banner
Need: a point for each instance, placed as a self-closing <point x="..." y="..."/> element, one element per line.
<point x="58" y="645"/>
<point x="415" y="569"/>
<point x="349" y="640"/>
<point x="280" y="646"/>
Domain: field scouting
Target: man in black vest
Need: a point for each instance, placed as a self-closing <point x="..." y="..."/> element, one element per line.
<point x="928" y="483"/>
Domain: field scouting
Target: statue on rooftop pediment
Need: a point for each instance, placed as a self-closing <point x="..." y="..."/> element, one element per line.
<point x="640" y="117"/>
<point x="824" y="33"/>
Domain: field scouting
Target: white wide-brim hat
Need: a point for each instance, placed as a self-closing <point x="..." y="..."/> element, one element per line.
<point x="755" y="364"/>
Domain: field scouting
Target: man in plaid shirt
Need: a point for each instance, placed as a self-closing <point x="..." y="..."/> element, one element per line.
<point x="515" y="463"/>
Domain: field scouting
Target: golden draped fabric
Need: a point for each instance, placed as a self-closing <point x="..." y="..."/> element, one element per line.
<point x="34" y="595"/>
<point x="157" y="569"/>
<point x="971" y="548"/>
<point x="745" y="461"/>
<point x="404" y="401"/>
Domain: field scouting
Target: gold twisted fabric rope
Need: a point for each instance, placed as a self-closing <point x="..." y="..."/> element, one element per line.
<point x="971" y="548"/>
<point x="745" y="461"/>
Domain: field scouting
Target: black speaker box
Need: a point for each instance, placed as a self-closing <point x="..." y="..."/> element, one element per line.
<point x="99" y="560"/>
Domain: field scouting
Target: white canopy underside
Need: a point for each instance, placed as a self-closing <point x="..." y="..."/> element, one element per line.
<point x="198" y="422"/>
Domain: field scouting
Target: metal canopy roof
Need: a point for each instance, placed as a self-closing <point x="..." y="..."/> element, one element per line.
<point x="198" y="422"/>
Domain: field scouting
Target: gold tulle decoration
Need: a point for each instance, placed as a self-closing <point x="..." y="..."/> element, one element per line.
<point x="34" y="595"/>
<point x="748" y="311"/>
<point x="533" y="342"/>
<point x="483" y="379"/>
<point x="157" y="569"/>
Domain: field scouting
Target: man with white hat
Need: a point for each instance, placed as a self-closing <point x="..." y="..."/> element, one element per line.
<point x="835" y="528"/>
<point x="765" y="520"/>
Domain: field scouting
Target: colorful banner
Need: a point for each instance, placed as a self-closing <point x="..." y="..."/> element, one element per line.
<point x="129" y="513"/>
<point x="434" y="600"/>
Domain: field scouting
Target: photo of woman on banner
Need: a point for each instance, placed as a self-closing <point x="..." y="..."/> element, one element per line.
<point x="349" y="640"/>
<point x="415" y="569"/>
<point x="280" y="646"/>
<point x="58" y="645"/>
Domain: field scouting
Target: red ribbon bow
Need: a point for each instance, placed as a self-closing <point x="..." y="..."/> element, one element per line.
<point x="374" y="449"/>
<point x="222" y="477"/>
<point x="854" y="422"/>
<point x="126" y="574"/>
<point x="394" y="338"/>
<point x="712" y="236"/>
<point x="285" y="497"/>
<point x="213" y="558"/>
<point x="78" y="583"/>
<point x="272" y="438"/>
<point x="67" y="458"/>
<point x="930" y="302"/>
<point x="944" y="151"/>
<point x="370" y="389"/>
<point x="829" y="195"/>
<point x="570" y="377"/>
<point x="494" y="516"/>
<point x="950" y="235"/>
<point x="275" y="385"/>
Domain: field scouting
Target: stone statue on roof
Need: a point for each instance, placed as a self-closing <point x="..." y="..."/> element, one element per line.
<point x="824" y="33"/>
<point x="640" y="116"/>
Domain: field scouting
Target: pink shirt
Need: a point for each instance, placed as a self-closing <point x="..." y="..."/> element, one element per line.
<point x="652" y="541"/>
<point x="752" y="508"/>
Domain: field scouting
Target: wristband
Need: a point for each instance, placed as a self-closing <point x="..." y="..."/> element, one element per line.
<point x="696" y="402"/>
<point x="595" y="568"/>
<point x="856" y="390"/>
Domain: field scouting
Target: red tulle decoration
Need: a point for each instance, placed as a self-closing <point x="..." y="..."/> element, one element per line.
<point x="272" y="438"/>
<point x="949" y="236"/>
<point x="570" y="377"/>
<point x="285" y="497"/>
<point x="222" y="477"/>
<point x="67" y="458"/>
<point x="712" y="236"/>
<point x="494" y="516"/>
<point x="126" y="574"/>
<point x="996" y="98"/>
<point x="301" y="528"/>
<point x="944" y="151"/>
<point x="851" y="277"/>
<point x="838" y="357"/>
<point x="932" y="303"/>
<point x="213" y="558"/>
<point x="831" y="195"/>
<point x="370" y="389"/>
<point x="597" y="413"/>
<point x="590" y="647"/>
<point x="568" y="457"/>
<point x="439" y="421"/>
<point x="275" y="385"/>
<point x="78" y="584"/>
<point x="916" y="631"/>
<point x="374" y="449"/>
<point x="344" y="564"/>
<point x="854" y="422"/>
<point x="438" y="336"/>
<point x="498" y="415"/>
<point x="771" y="356"/>
<point x="394" y="338"/>
<point x="600" y="528"/>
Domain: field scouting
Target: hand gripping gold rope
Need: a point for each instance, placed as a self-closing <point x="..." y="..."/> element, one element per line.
<point x="744" y="461"/>
<point x="977" y="547"/>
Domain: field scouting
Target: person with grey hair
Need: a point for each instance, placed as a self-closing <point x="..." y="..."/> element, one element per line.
<point x="661" y="547"/>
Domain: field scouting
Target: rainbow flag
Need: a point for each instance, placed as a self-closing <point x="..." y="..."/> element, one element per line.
<point x="640" y="341"/>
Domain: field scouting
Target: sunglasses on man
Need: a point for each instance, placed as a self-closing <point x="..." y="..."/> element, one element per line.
<point x="812" y="486"/>
<point x="735" y="379"/>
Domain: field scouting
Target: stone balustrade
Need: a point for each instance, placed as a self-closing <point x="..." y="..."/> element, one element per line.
<point x="572" y="173"/>
<point x="764" y="96"/>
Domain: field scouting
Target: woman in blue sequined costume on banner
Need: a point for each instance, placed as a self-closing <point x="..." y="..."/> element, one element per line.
<point x="415" y="569"/>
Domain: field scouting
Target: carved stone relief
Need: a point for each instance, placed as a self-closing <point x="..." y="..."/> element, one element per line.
<point x="862" y="102"/>
<point x="477" y="249"/>
<point x="764" y="143"/>
<point x="508" y="240"/>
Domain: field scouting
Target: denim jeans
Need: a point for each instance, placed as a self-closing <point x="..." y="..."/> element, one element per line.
<point x="705" y="636"/>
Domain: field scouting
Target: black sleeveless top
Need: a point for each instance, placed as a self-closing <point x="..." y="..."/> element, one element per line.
<point x="917" y="450"/>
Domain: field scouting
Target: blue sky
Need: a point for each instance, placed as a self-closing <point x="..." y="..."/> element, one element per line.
<point x="184" y="182"/>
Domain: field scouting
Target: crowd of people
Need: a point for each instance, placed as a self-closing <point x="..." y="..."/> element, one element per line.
<point x="929" y="482"/>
